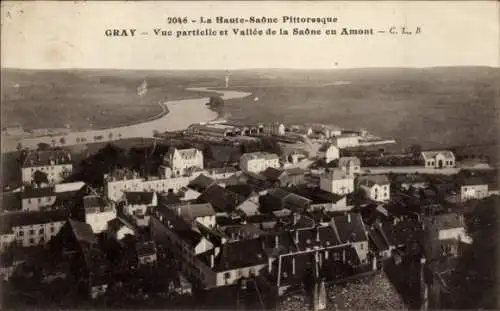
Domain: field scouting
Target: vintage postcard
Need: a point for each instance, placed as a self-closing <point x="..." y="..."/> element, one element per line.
<point x="258" y="155"/>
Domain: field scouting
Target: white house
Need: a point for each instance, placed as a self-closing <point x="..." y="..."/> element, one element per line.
<point x="274" y="129"/>
<point x="329" y="152"/>
<point x="98" y="212"/>
<point x="35" y="198"/>
<point x="182" y="161"/>
<point x="438" y="159"/>
<point x="31" y="228"/>
<point x="350" y="165"/>
<point x="137" y="203"/>
<point x="56" y="164"/>
<point x="116" y="184"/>
<point x="473" y="188"/>
<point x="118" y="229"/>
<point x="202" y="213"/>
<point x="375" y="187"/>
<point x="336" y="181"/>
<point x="257" y="162"/>
<point x="346" y="141"/>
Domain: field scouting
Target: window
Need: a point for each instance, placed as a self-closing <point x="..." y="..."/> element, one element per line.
<point x="32" y="241"/>
<point x="29" y="201"/>
<point x="362" y="246"/>
<point x="39" y="200"/>
<point x="32" y="232"/>
<point x="227" y="275"/>
<point x="40" y="231"/>
<point x="52" y="229"/>
<point x="48" y="199"/>
<point x="21" y="233"/>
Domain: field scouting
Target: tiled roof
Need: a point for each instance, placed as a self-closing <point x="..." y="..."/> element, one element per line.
<point x="46" y="158"/>
<point x="445" y="221"/>
<point x="335" y="174"/>
<point x="221" y="199"/>
<point x="402" y="231"/>
<point x="16" y="219"/>
<point x="83" y="232"/>
<point x="295" y="171"/>
<point x="239" y="254"/>
<point x="473" y="181"/>
<point x="10" y="201"/>
<point x="201" y="182"/>
<point x="244" y="190"/>
<point x="278" y="193"/>
<point x="139" y="197"/>
<point x="296" y="201"/>
<point x="40" y="192"/>
<point x="188" y="153"/>
<point x="350" y="227"/>
<point x="193" y="211"/>
<point x="317" y="195"/>
<point x="259" y="155"/>
<point x="432" y="154"/>
<point x="146" y="248"/>
<point x="242" y="231"/>
<point x="94" y="202"/>
<point x="272" y="173"/>
<point x="371" y="180"/>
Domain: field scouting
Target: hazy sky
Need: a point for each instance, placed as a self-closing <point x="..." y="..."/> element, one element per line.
<point x="71" y="35"/>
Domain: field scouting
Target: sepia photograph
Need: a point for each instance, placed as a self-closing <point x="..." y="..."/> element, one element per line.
<point x="250" y="155"/>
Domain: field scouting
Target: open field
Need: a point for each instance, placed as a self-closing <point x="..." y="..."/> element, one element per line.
<point x="426" y="106"/>
<point x="85" y="99"/>
<point x="432" y="107"/>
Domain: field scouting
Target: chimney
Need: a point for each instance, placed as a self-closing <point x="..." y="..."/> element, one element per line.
<point x="276" y="241"/>
<point x="212" y="259"/>
<point x="269" y="264"/>
<point x="295" y="218"/>
<point x="179" y="211"/>
<point x="348" y="217"/>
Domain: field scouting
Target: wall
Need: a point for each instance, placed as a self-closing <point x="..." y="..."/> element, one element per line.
<point x="114" y="189"/>
<point x="377" y="192"/>
<point x="6" y="240"/>
<point x="54" y="172"/>
<point x="34" y="204"/>
<point x="190" y="265"/>
<point x="231" y="277"/>
<point x="473" y="192"/>
<point x="99" y="221"/>
<point x="35" y="237"/>
<point x="338" y="186"/>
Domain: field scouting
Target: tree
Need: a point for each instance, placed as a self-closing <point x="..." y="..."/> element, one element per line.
<point x="40" y="177"/>
<point x="215" y="101"/>
<point x="43" y="146"/>
<point x="19" y="146"/>
<point x="62" y="140"/>
<point x="415" y="149"/>
<point x="110" y="135"/>
<point x="53" y="141"/>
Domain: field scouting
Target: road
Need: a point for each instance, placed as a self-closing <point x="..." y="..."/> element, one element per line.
<point x="182" y="113"/>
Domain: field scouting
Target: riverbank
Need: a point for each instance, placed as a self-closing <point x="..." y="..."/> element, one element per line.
<point x="179" y="115"/>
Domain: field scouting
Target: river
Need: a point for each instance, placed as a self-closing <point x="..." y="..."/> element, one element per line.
<point x="181" y="114"/>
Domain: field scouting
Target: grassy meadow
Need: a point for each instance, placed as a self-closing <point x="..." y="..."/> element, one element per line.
<point x="434" y="106"/>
